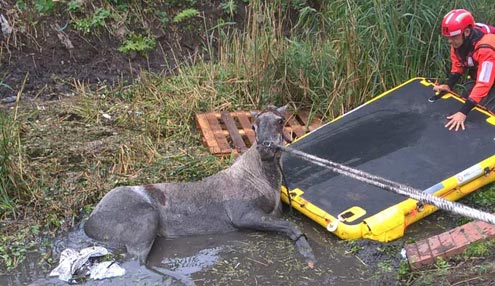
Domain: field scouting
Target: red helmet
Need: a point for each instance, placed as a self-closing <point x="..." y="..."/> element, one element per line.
<point x="456" y="21"/>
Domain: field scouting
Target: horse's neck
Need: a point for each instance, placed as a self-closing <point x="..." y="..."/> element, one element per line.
<point x="251" y="165"/>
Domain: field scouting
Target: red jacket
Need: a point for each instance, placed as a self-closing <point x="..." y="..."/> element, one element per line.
<point x="482" y="59"/>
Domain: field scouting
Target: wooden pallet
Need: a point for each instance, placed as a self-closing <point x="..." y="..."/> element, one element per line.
<point x="225" y="132"/>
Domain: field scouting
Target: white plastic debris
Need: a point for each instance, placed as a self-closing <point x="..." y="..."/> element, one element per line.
<point x="6" y="28"/>
<point x="72" y="261"/>
<point x="403" y="253"/>
<point x="106" y="269"/>
<point x="9" y="99"/>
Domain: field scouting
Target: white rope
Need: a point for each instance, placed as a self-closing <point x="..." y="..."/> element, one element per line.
<point x="394" y="186"/>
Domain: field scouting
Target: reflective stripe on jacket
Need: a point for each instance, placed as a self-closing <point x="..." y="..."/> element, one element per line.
<point x="484" y="59"/>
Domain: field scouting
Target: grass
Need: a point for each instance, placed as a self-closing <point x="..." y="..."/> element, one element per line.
<point x="58" y="160"/>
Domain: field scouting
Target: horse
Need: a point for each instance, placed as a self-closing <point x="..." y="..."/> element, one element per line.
<point x="245" y="195"/>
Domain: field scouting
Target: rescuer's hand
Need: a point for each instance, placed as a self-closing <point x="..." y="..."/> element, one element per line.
<point x="456" y="121"/>
<point x="441" y="87"/>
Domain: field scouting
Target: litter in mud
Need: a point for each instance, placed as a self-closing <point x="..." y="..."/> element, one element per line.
<point x="74" y="265"/>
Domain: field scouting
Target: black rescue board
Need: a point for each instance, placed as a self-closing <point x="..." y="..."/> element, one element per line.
<point x="399" y="136"/>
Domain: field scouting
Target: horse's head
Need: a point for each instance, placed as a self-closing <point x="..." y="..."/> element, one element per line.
<point x="268" y="127"/>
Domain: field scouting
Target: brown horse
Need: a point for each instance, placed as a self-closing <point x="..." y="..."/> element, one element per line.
<point x="244" y="196"/>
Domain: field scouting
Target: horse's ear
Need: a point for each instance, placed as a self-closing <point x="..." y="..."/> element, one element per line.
<point x="254" y="114"/>
<point x="283" y="110"/>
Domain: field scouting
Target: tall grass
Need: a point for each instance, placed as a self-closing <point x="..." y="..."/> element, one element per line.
<point x="339" y="55"/>
<point x="10" y="193"/>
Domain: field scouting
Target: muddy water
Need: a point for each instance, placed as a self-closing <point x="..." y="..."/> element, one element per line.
<point x="238" y="258"/>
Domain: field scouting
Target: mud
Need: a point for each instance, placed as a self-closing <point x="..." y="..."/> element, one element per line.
<point x="37" y="60"/>
<point x="246" y="258"/>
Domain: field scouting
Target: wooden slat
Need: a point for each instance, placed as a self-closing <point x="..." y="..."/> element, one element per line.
<point x="246" y="126"/>
<point x="215" y="135"/>
<point x="289" y="133"/>
<point x="295" y="126"/>
<point x="233" y="131"/>
<point x="315" y="123"/>
<point x="208" y="135"/>
<point x="222" y="142"/>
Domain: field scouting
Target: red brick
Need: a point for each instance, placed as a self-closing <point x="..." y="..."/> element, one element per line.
<point x="426" y="257"/>
<point x="452" y="246"/>
<point x="446" y="240"/>
<point x="436" y="247"/>
<point x="472" y="233"/>
<point x="413" y="257"/>
<point x="487" y="228"/>
<point x="459" y="236"/>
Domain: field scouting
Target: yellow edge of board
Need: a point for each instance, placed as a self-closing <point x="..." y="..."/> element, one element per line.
<point x="391" y="223"/>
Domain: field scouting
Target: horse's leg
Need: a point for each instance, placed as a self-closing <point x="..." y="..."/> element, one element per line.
<point x="125" y="216"/>
<point x="258" y="220"/>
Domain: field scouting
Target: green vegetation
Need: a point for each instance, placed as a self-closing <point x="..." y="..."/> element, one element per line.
<point x="480" y="248"/>
<point x="185" y="14"/>
<point x="137" y="43"/>
<point x="8" y="199"/>
<point x="58" y="160"/>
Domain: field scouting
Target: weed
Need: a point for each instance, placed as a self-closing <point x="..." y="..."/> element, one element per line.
<point x="74" y="6"/>
<point x="485" y="198"/>
<point x="13" y="249"/>
<point x="8" y="200"/>
<point x="44" y="6"/>
<point x="163" y="17"/>
<point x="137" y="43"/>
<point x="91" y="23"/>
<point x="441" y="264"/>
<point x="479" y="249"/>
<point x="185" y="14"/>
<point x="83" y="25"/>
<point x="229" y="7"/>
<point x="21" y="5"/>
<point x="385" y="267"/>
<point x="352" y="247"/>
<point x="404" y="267"/>
<point x="99" y="18"/>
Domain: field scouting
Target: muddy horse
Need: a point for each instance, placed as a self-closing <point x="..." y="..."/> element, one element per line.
<point x="244" y="196"/>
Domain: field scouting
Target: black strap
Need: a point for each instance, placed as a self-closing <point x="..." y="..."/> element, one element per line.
<point x="284" y="181"/>
<point x="301" y="235"/>
<point x="484" y="46"/>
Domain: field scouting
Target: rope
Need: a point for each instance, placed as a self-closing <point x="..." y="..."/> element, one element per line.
<point x="393" y="186"/>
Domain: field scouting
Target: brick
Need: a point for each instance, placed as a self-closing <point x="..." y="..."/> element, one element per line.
<point x="459" y="236"/>
<point x="413" y="257"/>
<point x="487" y="228"/>
<point x="436" y="247"/>
<point x="447" y="241"/>
<point x="426" y="257"/>
<point x="451" y="246"/>
<point x="447" y="244"/>
<point x="472" y="233"/>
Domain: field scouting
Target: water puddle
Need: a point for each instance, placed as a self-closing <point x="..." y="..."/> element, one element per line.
<point x="237" y="258"/>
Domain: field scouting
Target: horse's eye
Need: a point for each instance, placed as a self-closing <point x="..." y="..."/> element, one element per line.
<point x="253" y="127"/>
<point x="280" y="121"/>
